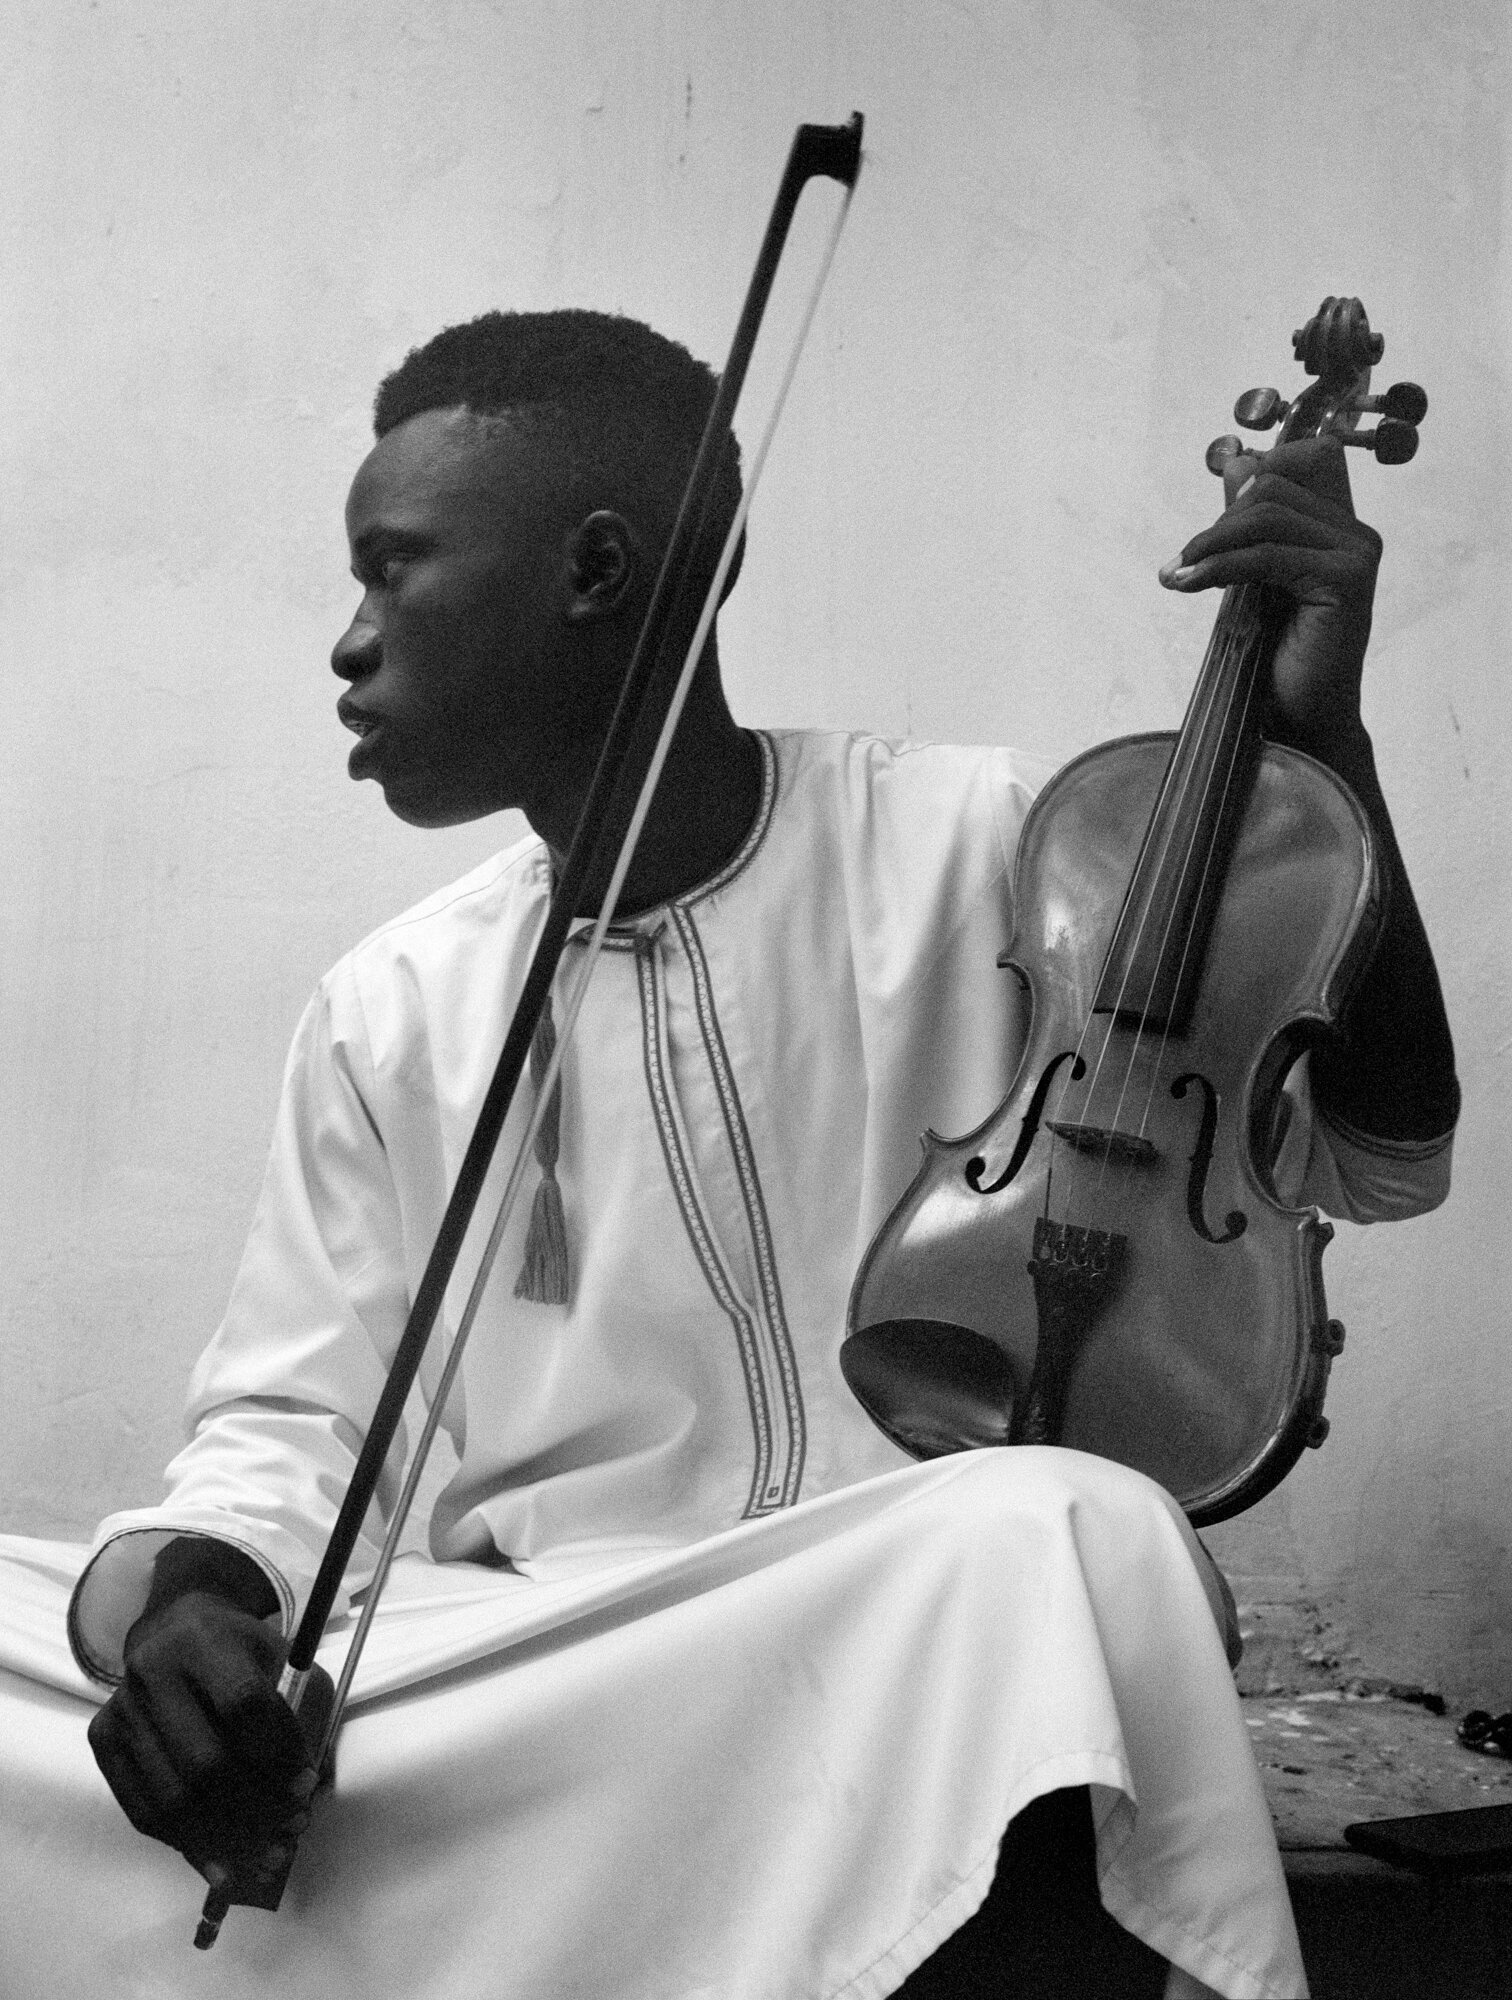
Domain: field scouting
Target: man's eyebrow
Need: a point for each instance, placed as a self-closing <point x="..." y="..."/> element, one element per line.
<point x="382" y="536"/>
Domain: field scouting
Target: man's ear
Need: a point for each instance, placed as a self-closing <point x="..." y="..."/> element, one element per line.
<point x="603" y="566"/>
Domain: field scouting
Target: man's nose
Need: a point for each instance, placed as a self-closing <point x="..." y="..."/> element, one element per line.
<point x="359" y="649"/>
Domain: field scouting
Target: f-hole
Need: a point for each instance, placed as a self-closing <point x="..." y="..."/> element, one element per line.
<point x="1236" y="1221"/>
<point x="1028" y="1126"/>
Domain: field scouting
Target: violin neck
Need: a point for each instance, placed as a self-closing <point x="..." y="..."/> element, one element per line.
<point x="1154" y="964"/>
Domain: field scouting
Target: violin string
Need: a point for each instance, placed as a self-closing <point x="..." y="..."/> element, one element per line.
<point x="1228" y="646"/>
<point x="574" y="1005"/>
<point x="1205" y="683"/>
<point x="1210" y="680"/>
<point x="1240" y="657"/>
<point x="1249" y="679"/>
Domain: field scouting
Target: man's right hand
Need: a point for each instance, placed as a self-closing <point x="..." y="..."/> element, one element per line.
<point x="198" y="1746"/>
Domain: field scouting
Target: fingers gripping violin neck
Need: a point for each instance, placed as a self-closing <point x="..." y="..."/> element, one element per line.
<point x="1106" y="1262"/>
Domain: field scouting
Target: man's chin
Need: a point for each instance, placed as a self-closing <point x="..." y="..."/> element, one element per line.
<point x="418" y="806"/>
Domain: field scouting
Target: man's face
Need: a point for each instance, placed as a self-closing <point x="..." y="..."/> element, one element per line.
<point x="467" y="689"/>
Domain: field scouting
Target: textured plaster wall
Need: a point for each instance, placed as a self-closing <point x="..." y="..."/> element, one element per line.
<point x="1084" y="226"/>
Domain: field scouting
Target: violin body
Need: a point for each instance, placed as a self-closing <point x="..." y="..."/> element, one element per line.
<point x="1199" y="1353"/>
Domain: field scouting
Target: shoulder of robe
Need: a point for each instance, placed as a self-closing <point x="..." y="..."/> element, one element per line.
<point x="509" y="886"/>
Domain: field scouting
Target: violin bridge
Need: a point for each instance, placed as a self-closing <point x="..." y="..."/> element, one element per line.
<point x="1104" y="1139"/>
<point x="1076" y="1274"/>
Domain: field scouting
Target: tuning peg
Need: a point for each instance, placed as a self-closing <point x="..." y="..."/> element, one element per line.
<point x="1260" y="409"/>
<point x="1392" y="442"/>
<point x="1220" y="451"/>
<point x="1403" y="402"/>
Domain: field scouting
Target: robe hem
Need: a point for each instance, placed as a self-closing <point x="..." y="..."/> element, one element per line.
<point x="959" y="1904"/>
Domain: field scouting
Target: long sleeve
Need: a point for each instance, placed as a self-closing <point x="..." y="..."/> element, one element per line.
<point x="281" y="1397"/>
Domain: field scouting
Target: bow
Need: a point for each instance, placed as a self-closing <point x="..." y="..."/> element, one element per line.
<point x="667" y="650"/>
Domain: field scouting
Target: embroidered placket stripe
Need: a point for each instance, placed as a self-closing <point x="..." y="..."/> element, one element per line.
<point x="784" y="1492"/>
<point x="705" y="1248"/>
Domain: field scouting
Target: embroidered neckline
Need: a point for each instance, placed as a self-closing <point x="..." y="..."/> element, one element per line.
<point x="745" y="854"/>
<point x="654" y="918"/>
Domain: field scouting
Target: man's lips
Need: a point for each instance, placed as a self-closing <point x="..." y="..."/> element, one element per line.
<point x="368" y="729"/>
<point x="358" y="720"/>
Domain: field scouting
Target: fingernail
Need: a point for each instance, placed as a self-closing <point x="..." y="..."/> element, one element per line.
<point x="1245" y="487"/>
<point x="1175" y="571"/>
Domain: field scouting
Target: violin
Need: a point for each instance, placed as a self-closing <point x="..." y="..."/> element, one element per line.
<point x="1106" y="1263"/>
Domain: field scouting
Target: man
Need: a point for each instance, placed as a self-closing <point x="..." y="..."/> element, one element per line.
<point x="802" y="979"/>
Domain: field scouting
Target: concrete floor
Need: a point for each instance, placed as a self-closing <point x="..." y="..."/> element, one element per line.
<point x="1371" y="1931"/>
<point x="1328" y="1758"/>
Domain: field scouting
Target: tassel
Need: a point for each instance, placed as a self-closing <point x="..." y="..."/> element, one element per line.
<point x="544" y="1269"/>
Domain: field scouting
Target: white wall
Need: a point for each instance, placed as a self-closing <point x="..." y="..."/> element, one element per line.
<point x="1083" y="227"/>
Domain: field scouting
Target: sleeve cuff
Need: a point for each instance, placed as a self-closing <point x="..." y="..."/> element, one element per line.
<point x="1352" y="1175"/>
<point x="1386" y="1180"/>
<point x="1382" y="1148"/>
<point x="108" y="1598"/>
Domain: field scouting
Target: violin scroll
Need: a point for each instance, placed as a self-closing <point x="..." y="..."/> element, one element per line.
<point x="1337" y="340"/>
<point x="1338" y="347"/>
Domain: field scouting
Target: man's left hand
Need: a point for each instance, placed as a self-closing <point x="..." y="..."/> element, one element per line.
<point x="1290" y="522"/>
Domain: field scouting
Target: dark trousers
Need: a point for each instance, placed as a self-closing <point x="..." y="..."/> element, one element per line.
<point x="1042" y="1933"/>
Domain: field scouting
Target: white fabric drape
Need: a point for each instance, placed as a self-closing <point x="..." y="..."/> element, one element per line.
<point x="775" y="1765"/>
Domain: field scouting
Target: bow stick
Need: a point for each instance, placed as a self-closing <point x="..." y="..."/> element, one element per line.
<point x="619" y="798"/>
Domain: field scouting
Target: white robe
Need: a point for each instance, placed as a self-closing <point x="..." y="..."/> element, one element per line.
<point x="831" y="1732"/>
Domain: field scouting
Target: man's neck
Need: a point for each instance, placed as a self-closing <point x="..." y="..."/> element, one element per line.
<point x="705" y="805"/>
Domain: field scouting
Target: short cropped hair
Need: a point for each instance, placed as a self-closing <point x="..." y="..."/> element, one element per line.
<point x="625" y="405"/>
